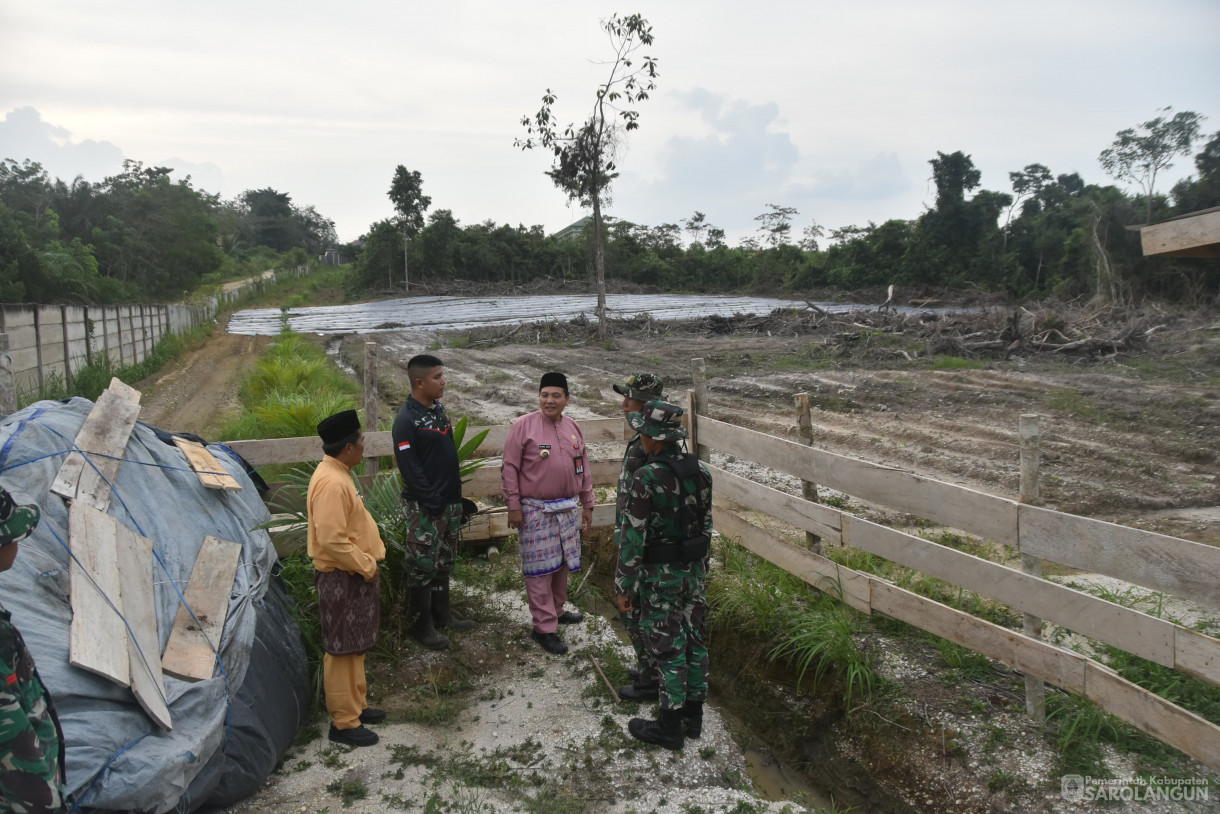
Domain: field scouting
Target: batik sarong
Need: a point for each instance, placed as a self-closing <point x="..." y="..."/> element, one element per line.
<point x="350" y="609"/>
<point x="549" y="535"/>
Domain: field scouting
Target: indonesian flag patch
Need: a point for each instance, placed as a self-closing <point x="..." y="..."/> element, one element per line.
<point x="403" y="446"/>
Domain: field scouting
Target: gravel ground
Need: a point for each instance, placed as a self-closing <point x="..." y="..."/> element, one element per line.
<point x="546" y="719"/>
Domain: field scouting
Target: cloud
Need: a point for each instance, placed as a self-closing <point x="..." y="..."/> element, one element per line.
<point x="741" y="157"/>
<point x="25" y="135"/>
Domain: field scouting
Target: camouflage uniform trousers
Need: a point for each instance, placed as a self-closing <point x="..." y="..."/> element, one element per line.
<point x="431" y="542"/>
<point x="673" y="624"/>
<point x="632" y="621"/>
<point x="30" y="745"/>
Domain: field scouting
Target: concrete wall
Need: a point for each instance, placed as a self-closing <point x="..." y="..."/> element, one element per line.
<point x="52" y="342"/>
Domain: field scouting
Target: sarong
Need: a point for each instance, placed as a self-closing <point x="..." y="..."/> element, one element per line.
<point x="549" y="536"/>
<point x="350" y="609"/>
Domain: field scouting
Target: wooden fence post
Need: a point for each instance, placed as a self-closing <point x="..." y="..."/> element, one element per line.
<point x="8" y="384"/>
<point x="692" y="425"/>
<point x="371" y="465"/>
<point x="809" y="490"/>
<point x="1035" y="688"/>
<point x="700" y="405"/>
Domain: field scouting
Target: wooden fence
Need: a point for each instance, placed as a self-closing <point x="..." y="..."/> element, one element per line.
<point x="1176" y="566"/>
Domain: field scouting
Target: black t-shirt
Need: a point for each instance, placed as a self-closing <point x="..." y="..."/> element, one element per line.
<point x="427" y="455"/>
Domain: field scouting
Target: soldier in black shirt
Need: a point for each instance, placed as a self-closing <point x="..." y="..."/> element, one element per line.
<point x="431" y="500"/>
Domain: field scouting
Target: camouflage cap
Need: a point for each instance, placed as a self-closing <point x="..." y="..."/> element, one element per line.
<point x="660" y="420"/>
<point x="16" y="522"/>
<point x="641" y="387"/>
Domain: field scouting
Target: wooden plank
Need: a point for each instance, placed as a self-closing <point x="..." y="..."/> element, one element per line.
<point x="1179" y="567"/>
<point x="309" y="448"/>
<point x="994" y="518"/>
<point x="97" y="636"/>
<point x="104" y="432"/>
<point x="1124" y="628"/>
<point x="1177" y="727"/>
<point x="1058" y="666"/>
<point x="852" y="587"/>
<point x="811" y="517"/>
<point x="135" y="560"/>
<point x="1197" y="655"/>
<point x="211" y="474"/>
<point x="1196" y="235"/>
<point x="191" y="651"/>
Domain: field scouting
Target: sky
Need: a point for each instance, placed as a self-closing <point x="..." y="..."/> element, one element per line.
<point x="832" y="108"/>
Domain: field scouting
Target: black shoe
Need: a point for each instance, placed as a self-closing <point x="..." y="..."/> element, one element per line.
<point x="550" y="643"/>
<point x="633" y="673"/>
<point x="692" y="718"/>
<point x="571" y="618"/>
<point x="353" y="737"/>
<point x="666" y="731"/>
<point x="372" y="715"/>
<point x="640" y="692"/>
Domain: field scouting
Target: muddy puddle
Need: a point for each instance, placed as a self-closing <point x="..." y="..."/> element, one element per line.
<point x="456" y="313"/>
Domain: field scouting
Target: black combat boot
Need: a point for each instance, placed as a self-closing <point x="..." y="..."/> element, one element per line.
<point x="692" y="718"/>
<point x="666" y="731"/>
<point x="421" y="612"/>
<point x="440" y="607"/>
<point x="641" y="689"/>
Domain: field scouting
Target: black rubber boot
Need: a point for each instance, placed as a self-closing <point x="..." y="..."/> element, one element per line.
<point x="640" y="690"/>
<point x="440" y="607"/>
<point x="421" y="626"/>
<point x="692" y="718"/>
<point x="666" y="731"/>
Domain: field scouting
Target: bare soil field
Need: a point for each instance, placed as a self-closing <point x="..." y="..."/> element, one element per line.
<point x="1129" y="435"/>
<point x="1130" y="420"/>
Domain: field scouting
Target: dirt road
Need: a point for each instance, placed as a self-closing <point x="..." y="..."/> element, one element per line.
<point x="198" y="393"/>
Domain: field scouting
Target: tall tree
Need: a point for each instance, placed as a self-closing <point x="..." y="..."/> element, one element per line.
<point x="270" y="219"/>
<point x="810" y="236"/>
<point x="696" y="224"/>
<point x="1139" y="155"/>
<point x="410" y="202"/>
<point x="1026" y="183"/>
<point x="583" y="165"/>
<point x="1191" y="194"/>
<point x="776" y="223"/>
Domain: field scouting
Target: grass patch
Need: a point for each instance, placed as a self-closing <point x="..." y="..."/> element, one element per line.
<point x="809" y="630"/>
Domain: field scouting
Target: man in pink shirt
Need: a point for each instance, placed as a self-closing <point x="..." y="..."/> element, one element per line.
<point x="549" y="491"/>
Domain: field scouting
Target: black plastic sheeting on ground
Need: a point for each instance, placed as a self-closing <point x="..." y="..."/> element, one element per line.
<point x="230" y="731"/>
<point x="454" y="313"/>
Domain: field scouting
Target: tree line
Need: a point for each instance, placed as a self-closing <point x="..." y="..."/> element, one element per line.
<point x="1050" y="234"/>
<point x="139" y="236"/>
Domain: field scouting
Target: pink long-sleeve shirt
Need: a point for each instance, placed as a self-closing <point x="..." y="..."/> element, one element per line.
<point x="564" y="472"/>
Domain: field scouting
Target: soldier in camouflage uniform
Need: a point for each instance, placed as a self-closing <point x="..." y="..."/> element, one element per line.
<point x="665" y="539"/>
<point x="427" y="458"/>
<point x="31" y="743"/>
<point x="639" y="389"/>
